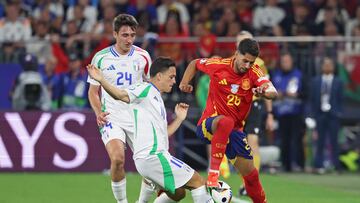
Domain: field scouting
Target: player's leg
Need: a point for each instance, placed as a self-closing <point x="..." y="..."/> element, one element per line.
<point x="240" y="152"/>
<point x="114" y="138"/>
<point x="198" y="189"/>
<point x="146" y="191"/>
<point x="250" y="174"/>
<point x="253" y="141"/>
<point x="173" y="175"/>
<point x="115" y="149"/>
<point x="167" y="197"/>
<point x="221" y="128"/>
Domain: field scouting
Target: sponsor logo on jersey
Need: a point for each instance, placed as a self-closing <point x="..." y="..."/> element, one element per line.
<point x="245" y="84"/>
<point x="111" y="67"/>
<point x="234" y="88"/>
<point x="223" y="82"/>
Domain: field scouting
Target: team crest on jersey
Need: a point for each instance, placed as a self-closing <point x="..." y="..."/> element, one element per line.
<point x="245" y="84"/>
<point x="234" y="88"/>
<point x="136" y="65"/>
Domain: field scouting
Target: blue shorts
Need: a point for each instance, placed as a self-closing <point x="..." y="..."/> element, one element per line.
<point x="237" y="145"/>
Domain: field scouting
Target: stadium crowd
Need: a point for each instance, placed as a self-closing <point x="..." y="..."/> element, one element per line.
<point x="59" y="37"/>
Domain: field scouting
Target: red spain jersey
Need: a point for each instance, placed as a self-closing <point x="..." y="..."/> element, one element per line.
<point x="230" y="94"/>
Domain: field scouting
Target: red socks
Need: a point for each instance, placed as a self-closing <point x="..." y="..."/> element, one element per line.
<point x="219" y="141"/>
<point x="253" y="187"/>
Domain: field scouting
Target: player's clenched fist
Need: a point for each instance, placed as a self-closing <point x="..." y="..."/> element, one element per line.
<point x="186" y="88"/>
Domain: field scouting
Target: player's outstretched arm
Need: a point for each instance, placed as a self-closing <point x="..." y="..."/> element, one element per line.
<point x="266" y="90"/>
<point x="114" y="92"/>
<point x="181" y="110"/>
<point x="188" y="76"/>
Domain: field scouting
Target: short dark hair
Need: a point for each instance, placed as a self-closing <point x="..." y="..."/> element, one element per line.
<point x="249" y="46"/>
<point x="124" y="19"/>
<point x="160" y="65"/>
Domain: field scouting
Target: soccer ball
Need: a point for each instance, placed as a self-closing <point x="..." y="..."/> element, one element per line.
<point x="222" y="194"/>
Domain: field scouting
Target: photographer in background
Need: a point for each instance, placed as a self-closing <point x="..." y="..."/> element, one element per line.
<point x="29" y="92"/>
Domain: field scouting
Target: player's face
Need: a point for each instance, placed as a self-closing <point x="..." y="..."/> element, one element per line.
<point x="124" y="39"/>
<point x="168" y="79"/>
<point x="243" y="62"/>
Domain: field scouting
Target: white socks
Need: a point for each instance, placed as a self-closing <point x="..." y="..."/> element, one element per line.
<point x="146" y="192"/>
<point x="119" y="191"/>
<point x="163" y="198"/>
<point x="200" y="195"/>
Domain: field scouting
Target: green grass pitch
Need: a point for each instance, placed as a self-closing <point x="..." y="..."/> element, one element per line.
<point x="95" y="188"/>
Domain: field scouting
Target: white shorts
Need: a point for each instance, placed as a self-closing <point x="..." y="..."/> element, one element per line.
<point x="117" y="130"/>
<point x="164" y="170"/>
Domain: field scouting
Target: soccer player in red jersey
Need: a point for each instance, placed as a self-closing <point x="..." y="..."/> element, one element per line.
<point x="233" y="82"/>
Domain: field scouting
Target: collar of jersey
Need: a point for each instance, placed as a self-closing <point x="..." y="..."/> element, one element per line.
<point x="155" y="86"/>
<point x="115" y="53"/>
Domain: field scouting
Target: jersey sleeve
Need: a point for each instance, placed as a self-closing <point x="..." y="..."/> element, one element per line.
<point x="138" y="92"/>
<point x="96" y="61"/>
<point x="207" y="65"/>
<point x="147" y="65"/>
<point x="258" y="76"/>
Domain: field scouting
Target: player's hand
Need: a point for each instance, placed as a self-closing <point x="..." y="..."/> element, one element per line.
<point x="186" y="87"/>
<point x="181" y="110"/>
<point x="101" y="119"/>
<point x="259" y="91"/>
<point x="94" y="72"/>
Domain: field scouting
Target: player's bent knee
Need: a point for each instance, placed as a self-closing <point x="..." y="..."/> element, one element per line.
<point x="222" y="120"/>
<point x="118" y="160"/>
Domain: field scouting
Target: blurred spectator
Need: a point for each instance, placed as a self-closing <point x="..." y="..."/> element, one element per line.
<point x="207" y="41"/>
<point x="40" y="44"/>
<point x="288" y="111"/>
<point x="268" y="16"/>
<point x="245" y="12"/>
<point x="350" y="25"/>
<point x="29" y="92"/>
<point x="50" y="11"/>
<point x="144" y="12"/>
<point x="341" y="15"/>
<point x="14" y="31"/>
<point x="203" y="16"/>
<point x="87" y="11"/>
<point x="73" y="86"/>
<point x="298" y="19"/>
<point x="109" y="15"/>
<point x="330" y="18"/>
<point x="59" y="53"/>
<point x="85" y="25"/>
<point x="174" y="5"/>
<point x="121" y="5"/>
<point x="326" y="106"/>
<point x="75" y="40"/>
